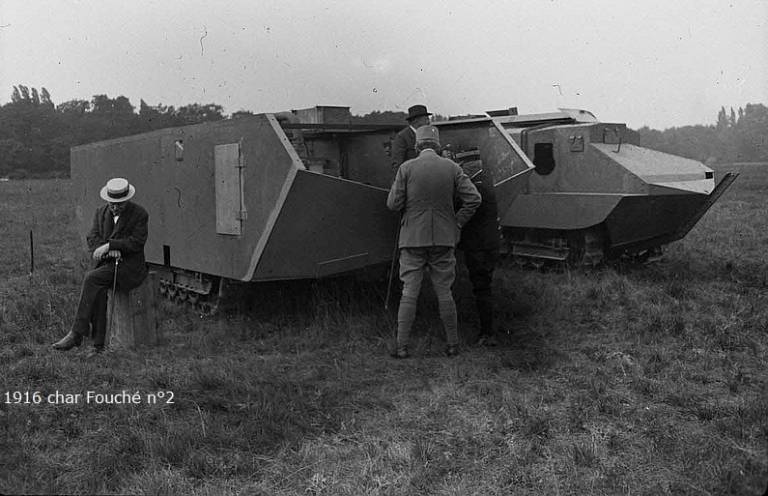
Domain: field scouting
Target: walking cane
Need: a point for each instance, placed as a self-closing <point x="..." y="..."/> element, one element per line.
<point x="392" y="268"/>
<point x="391" y="275"/>
<point x="112" y="300"/>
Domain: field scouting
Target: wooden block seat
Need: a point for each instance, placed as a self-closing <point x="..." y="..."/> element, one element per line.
<point x="134" y="321"/>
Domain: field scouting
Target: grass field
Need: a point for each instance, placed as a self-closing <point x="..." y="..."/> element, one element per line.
<point x="621" y="380"/>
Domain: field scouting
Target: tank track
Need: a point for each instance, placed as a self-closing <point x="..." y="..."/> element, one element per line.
<point x="200" y="292"/>
<point x="577" y="248"/>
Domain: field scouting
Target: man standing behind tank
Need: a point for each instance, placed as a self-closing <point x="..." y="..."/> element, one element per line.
<point x="480" y="246"/>
<point x="404" y="144"/>
<point x="119" y="231"/>
<point x="424" y="189"/>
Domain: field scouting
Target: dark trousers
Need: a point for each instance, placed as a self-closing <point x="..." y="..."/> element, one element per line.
<point x="480" y="265"/>
<point x="91" y="312"/>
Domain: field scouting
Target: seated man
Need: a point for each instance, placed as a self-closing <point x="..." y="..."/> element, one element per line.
<point x="116" y="241"/>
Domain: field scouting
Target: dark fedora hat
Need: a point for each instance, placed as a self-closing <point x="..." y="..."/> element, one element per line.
<point x="416" y="111"/>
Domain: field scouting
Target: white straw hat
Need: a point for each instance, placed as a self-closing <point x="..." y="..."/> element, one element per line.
<point x="117" y="190"/>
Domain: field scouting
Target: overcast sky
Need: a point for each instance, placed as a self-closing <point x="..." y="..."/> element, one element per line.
<point x="657" y="63"/>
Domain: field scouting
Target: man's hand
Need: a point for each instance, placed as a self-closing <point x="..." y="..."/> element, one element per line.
<point x="114" y="254"/>
<point x="101" y="251"/>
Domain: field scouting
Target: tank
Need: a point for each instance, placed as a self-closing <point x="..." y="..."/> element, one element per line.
<point x="274" y="196"/>
<point x="595" y="194"/>
<point x="302" y="194"/>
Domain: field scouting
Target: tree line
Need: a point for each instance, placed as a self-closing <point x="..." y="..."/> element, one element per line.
<point x="735" y="137"/>
<point x="36" y="134"/>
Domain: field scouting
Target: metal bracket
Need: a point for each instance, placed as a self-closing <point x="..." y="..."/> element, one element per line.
<point x="577" y="143"/>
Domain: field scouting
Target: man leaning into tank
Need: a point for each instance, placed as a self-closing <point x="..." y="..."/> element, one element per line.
<point x="116" y="242"/>
<point x="479" y="243"/>
<point x="424" y="190"/>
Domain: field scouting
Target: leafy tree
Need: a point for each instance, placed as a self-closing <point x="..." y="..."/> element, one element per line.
<point x="241" y="113"/>
<point x="72" y="115"/>
<point x="11" y="152"/>
<point x="30" y="128"/>
<point x="74" y="107"/>
<point x="24" y="94"/>
<point x="722" y="120"/>
<point x="45" y="97"/>
<point x="194" y="113"/>
<point x="157" y="117"/>
<point x="111" y="118"/>
<point x="751" y="133"/>
<point x="379" y="117"/>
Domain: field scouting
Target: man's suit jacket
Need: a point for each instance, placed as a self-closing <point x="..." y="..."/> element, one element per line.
<point x="425" y="188"/>
<point x="482" y="230"/>
<point x="403" y="147"/>
<point x="128" y="236"/>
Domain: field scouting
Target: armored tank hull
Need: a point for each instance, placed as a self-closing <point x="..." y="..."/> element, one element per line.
<point x="595" y="195"/>
<point x="294" y="195"/>
<point x="301" y="194"/>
